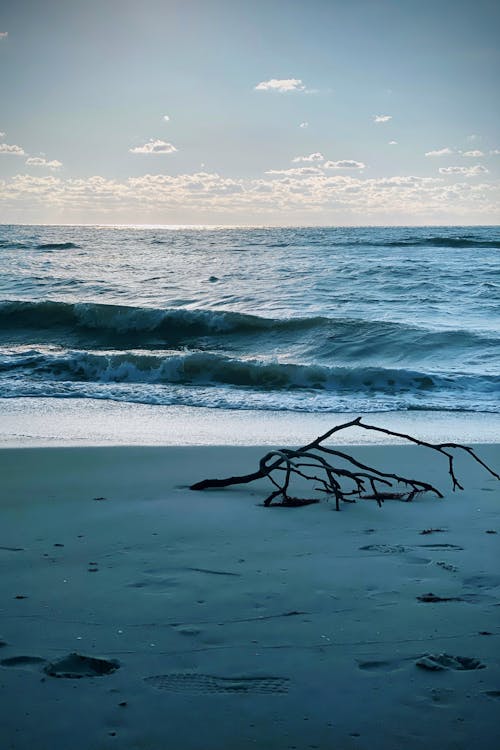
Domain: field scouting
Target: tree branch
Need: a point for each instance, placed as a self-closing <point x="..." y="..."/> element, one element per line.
<point x="340" y="482"/>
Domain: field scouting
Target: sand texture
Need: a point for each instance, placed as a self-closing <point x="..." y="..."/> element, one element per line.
<point x="137" y="614"/>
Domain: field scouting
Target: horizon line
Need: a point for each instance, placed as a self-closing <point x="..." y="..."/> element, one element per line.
<point x="173" y="226"/>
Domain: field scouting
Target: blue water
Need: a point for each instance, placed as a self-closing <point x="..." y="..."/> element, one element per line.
<point x="312" y="319"/>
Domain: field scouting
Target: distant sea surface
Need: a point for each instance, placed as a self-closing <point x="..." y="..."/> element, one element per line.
<point x="307" y="320"/>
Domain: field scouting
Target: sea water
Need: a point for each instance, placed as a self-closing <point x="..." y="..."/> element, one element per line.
<point x="318" y="320"/>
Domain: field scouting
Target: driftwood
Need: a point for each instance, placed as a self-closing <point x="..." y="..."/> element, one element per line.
<point x="343" y="483"/>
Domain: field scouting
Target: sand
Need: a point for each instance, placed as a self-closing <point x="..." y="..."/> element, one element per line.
<point x="208" y="622"/>
<point x="42" y="422"/>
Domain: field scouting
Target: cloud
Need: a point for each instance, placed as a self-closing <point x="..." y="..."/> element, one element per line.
<point x="2" y="134"/>
<point x="465" y="171"/>
<point x="166" y="118"/>
<point x="304" y="125"/>
<point x="282" y="85"/>
<point x="382" y="118"/>
<point x="473" y="137"/>
<point x="344" y="164"/>
<point x="495" y="152"/>
<point x="303" y="192"/>
<point x="476" y="153"/>
<point x="295" y="171"/>
<point x="14" y="150"/>
<point x="393" y="143"/>
<point x="4" y="34"/>
<point x="312" y="157"/>
<point x="440" y="152"/>
<point x="154" y="147"/>
<point x="38" y="161"/>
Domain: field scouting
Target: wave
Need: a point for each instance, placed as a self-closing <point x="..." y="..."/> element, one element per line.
<point x="436" y="241"/>
<point x="124" y="319"/>
<point x="458" y="242"/>
<point x="245" y="399"/>
<point x="209" y="368"/>
<point x="317" y="338"/>
<point x="14" y="245"/>
<point x="58" y="246"/>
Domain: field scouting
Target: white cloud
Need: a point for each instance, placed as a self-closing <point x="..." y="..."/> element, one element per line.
<point x="282" y="85"/>
<point x="473" y="137"/>
<point x="382" y="118"/>
<point x="317" y="156"/>
<point x="154" y="147"/>
<point x="476" y="153"/>
<point x="344" y="164"/>
<point x="38" y="161"/>
<point x="14" y="150"/>
<point x="465" y="171"/>
<point x="440" y="152"/>
<point x="305" y="192"/>
<point x="166" y="118"/>
<point x="295" y="171"/>
<point x="4" y="34"/>
<point x="495" y="152"/>
<point x="393" y="143"/>
<point x="2" y="134"/>
<point x="304" y="125"/>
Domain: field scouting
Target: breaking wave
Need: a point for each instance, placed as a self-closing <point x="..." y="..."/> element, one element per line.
<point x="327" y="336"/>
<point x="209" y="368"/>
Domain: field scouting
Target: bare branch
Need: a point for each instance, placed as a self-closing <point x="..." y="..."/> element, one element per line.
<point x="280" y="466"/>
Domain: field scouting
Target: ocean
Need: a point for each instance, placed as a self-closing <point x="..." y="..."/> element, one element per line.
<point x="310" y="320"/>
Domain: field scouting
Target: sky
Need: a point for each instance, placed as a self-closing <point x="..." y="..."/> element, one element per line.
<point x="259" y="112"/>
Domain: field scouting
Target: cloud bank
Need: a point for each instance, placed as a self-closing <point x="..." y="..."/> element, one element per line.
<point x="278" y="195"/>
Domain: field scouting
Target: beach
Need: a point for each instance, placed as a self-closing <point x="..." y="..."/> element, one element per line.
<point x="249" y="375"/>
<point x="137" y="613"/>
<point x="218" y="623"/>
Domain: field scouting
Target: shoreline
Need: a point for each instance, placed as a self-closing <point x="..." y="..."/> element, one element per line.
<point x="63" y="422"/>
<point x="271" y="626"/>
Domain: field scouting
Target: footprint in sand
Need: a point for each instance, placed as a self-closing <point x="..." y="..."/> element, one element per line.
<point x="193" y="683"/>
<point x="75" y="666"/>
<point x="23" y="662"/>
<point x="441" y="662"/>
